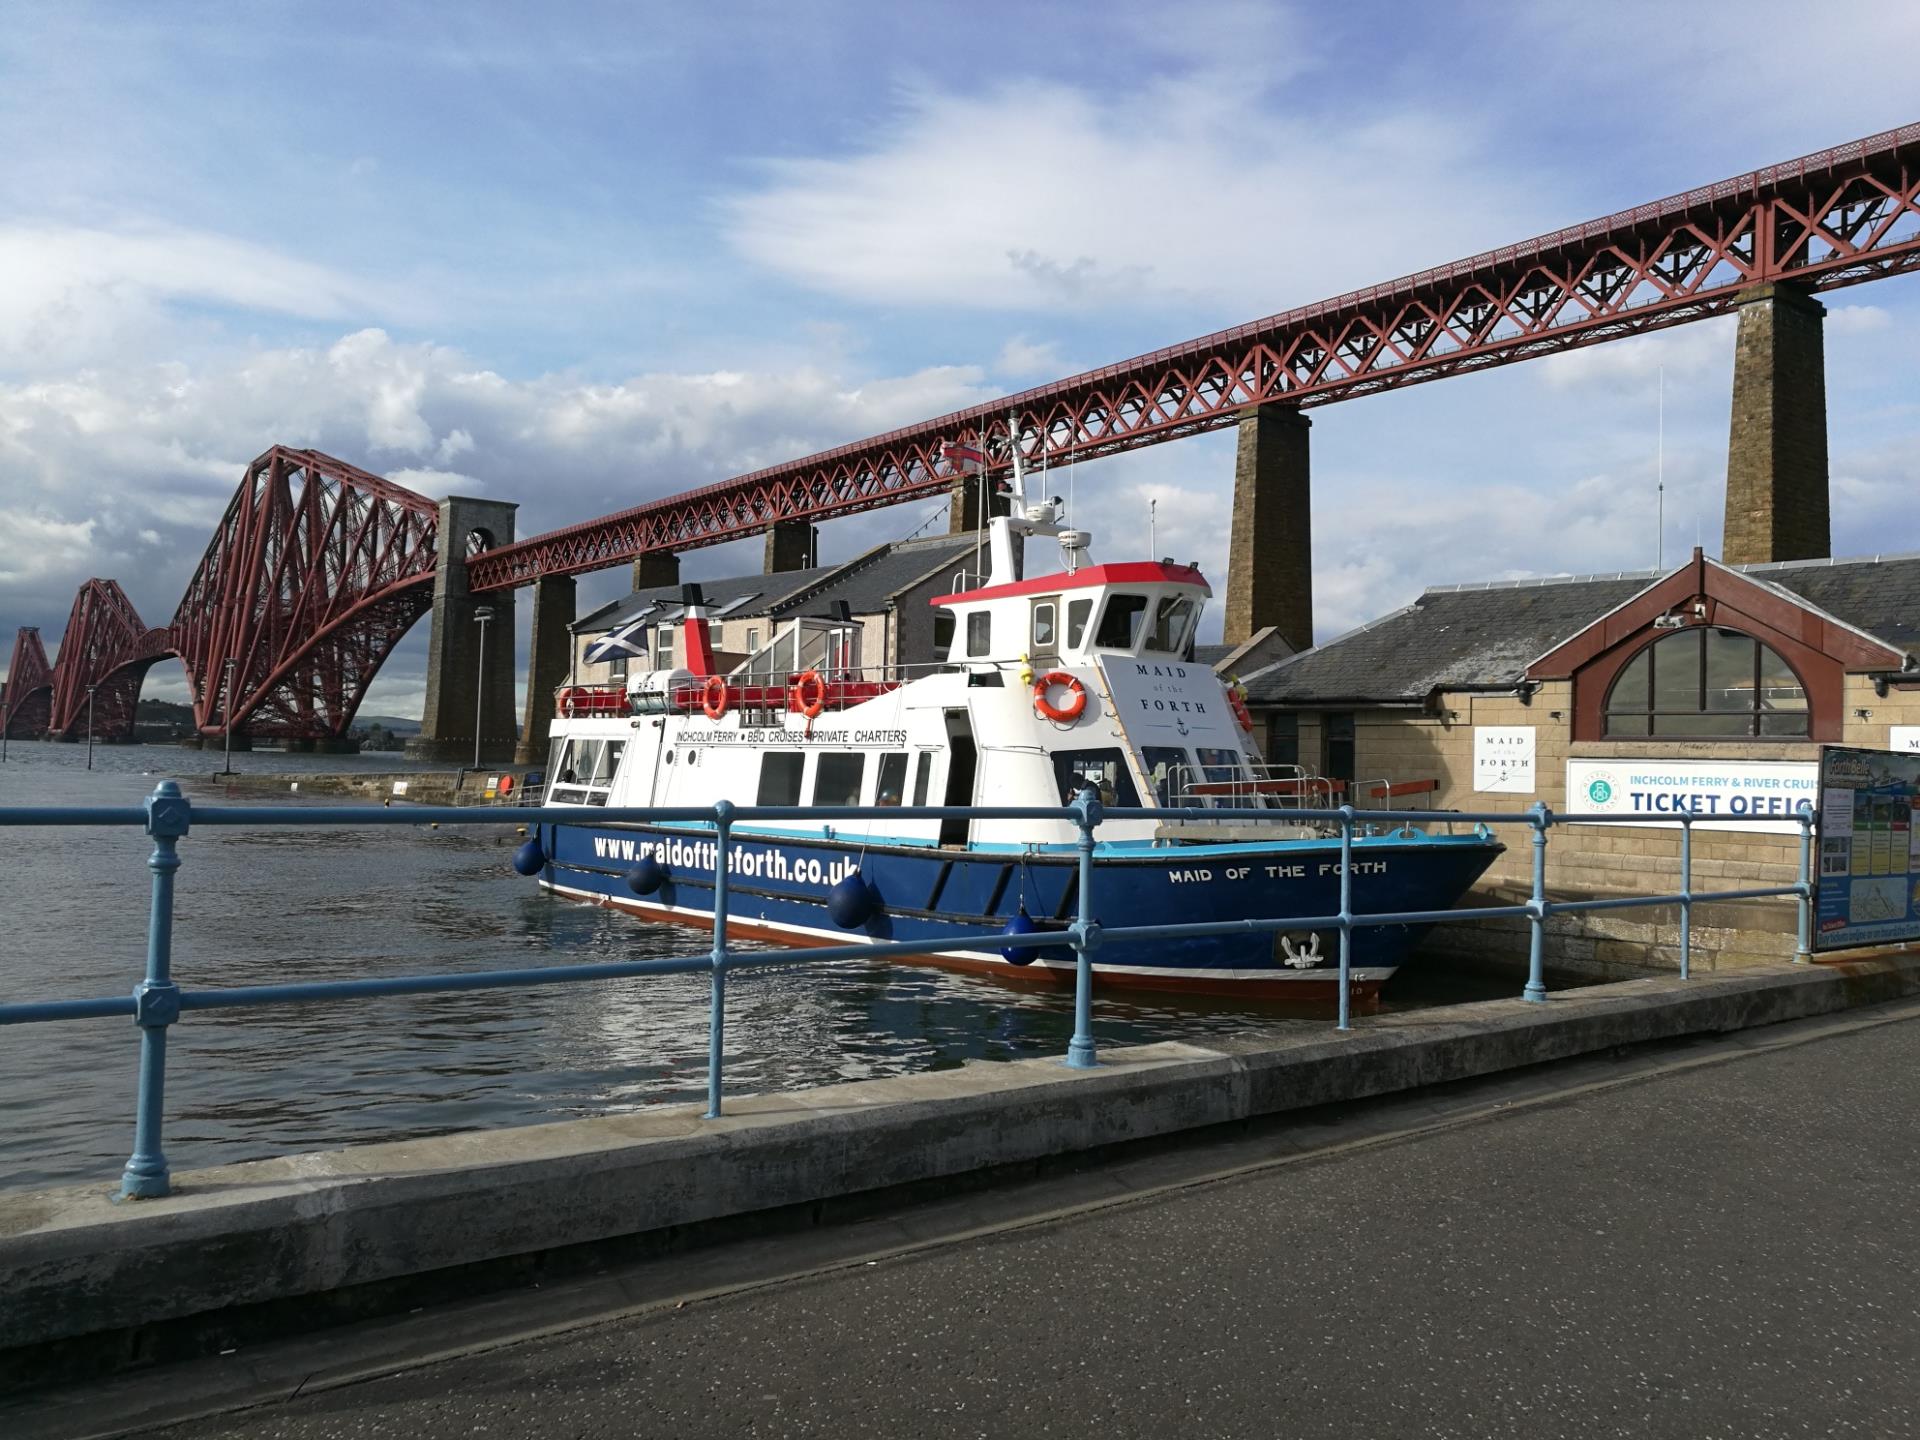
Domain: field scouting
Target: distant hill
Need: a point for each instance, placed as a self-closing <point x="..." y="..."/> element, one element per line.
<point x="398" y="724"/>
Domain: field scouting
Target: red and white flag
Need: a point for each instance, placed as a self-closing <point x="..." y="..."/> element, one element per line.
<point x="964" y="458"/>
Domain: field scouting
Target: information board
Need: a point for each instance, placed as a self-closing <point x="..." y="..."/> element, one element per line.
<point x="1904" y="738"/>
<point x="1867" y="890"/>
<point x="1726" y="794"/>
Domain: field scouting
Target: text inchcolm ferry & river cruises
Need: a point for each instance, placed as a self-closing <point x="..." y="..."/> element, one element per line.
<point x="1048" y="683"/>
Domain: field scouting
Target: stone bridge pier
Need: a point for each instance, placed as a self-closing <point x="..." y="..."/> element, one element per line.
<point x="470" y="669"/>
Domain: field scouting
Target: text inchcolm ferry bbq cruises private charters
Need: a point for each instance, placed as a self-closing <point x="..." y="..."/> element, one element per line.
<point x="1045" y="684"/>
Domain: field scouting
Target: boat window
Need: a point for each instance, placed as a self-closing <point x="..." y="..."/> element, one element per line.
<point x="1105" y="770"/>
<point x="1120" y="622"/>
<point x="942" y="633"/>
<point x="1169" y="769"/>
<point x="836" y="779"/>
<point x="979" y="632"/>
<point x="922" y="773"/>
<point x="610" y="765"/>
<point x="1173" y="622"/>
<point x="1078" y="613"/>
<point x="780" y="778"/>
<point x="1043" y="615"/>
<point x="891" y="788"/>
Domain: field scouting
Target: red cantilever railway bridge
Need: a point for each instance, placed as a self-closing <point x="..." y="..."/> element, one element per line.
<point x="318" y="568"/>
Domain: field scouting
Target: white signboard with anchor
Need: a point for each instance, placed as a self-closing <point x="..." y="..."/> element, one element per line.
<point x="1503" y="759"/>
<point x="1724" y="794"/>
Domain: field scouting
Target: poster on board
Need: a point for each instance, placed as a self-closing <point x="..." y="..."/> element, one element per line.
<point x="1503" y="759"/>
<point x="1867" y="882"/>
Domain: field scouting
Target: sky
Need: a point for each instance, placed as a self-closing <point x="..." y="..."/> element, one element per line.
<point x="583" y="256"/>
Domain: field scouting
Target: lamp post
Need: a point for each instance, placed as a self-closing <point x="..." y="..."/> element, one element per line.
<point x="481" y="615"/>
<point x="226" y="714"/>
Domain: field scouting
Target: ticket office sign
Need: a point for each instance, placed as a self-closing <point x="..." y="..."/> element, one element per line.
<point x="1867" y="890"/>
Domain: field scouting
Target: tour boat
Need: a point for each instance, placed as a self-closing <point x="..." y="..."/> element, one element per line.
<point x="1046" y="684"/>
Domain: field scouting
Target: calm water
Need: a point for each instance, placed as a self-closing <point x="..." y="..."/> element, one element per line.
<point x="256" y="907"/>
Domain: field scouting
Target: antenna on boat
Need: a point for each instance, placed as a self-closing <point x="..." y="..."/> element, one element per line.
<point x="1153" y="504"/>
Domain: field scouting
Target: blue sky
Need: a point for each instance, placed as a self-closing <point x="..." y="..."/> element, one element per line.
<point x="591" y="255"/>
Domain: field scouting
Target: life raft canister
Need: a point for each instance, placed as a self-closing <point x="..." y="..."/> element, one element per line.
<point x="713" y="697"/>
<point x="810" y="694"/>
<point x="1076" y="697"/>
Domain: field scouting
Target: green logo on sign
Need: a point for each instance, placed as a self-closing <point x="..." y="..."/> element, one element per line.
<point x="1600" y="792"/>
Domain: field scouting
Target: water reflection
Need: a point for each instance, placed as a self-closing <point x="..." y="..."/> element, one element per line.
<point x="267" y="906"/>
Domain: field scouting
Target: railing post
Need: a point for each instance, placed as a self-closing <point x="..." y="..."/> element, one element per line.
<point x="717" y="1012"/>
<point x="1537" y="908"/>
<point x="1686" y="896"/>
<point x="156" y="999"/>
<point x="1086" y="936"/>
<point x="1346" y="917"/>
<point x="1803" y="949"/>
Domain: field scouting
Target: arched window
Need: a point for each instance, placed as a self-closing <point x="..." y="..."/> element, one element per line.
<point x="1707" y="683"/>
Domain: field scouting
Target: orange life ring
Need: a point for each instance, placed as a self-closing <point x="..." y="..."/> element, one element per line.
<point x="713" y="696"/>
<point x="1238" y="702"/>
<point x="810" y="694"/>
<point x="1076" y="697"/>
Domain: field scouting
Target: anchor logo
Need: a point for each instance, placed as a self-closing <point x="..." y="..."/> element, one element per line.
<point x="1180" y="724"/>
<point x="1304" y="958"/>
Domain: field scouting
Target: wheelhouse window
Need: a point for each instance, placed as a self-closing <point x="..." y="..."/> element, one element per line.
<point x="942" y="634"/>
<point x="922" y="772"/>
<point x="1169" y="770"/>
<point x="891" y="788"/>
<point x="1173" y="622"/>
<point x="1043" y="626"/>
<point x="1104" y="769"/>
<point x="1120" y="622"/>
<point x="1707" y="683"/>
<point x="979" y="633"/>
<point x="1078" y="613"/>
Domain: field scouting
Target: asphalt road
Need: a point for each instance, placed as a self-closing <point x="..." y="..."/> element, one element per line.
<point x="1717" y="1250"/>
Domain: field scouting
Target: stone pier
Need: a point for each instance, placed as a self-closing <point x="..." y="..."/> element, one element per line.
<point x="655" y="569"/>
<point x="463" y="684"/>
<point x="964" y="514"/>
<point x="1270" y="553"/>
<point x="549" y="660"/>
<point x="1777" y="505"/>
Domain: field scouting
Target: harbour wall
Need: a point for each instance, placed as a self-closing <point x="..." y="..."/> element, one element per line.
<point x="414" y="787"/>
<point x="88" y="1282"/>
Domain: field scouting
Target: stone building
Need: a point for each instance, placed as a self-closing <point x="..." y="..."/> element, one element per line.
<point x="1709" y="688"/>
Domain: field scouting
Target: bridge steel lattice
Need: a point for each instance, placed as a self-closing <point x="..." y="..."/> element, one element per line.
<point x="312" y="576"/>
<point x="1835" y="218"/>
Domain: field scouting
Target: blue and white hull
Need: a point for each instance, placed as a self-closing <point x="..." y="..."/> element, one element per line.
<point x="778" y="889"/>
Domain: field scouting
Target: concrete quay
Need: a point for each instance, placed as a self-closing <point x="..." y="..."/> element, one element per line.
<point x="410" y="787"/>
<point x="78" y="1270"/>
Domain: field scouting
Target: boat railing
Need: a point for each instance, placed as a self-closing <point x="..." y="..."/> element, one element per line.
<point x="159" y="1001"/>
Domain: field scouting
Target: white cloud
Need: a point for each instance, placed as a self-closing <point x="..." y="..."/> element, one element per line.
<point x="1047" y="197"/>
<point x="74" y="294"/>
<point x="1856" y="319"/>
<point x="1021" y="358"/>
<point x="39" y="546"/>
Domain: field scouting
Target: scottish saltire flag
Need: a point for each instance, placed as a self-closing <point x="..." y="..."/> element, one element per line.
<point x="630" y="639"/>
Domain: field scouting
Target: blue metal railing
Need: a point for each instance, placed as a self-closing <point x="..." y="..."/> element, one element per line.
<point x="157" y="1002"/>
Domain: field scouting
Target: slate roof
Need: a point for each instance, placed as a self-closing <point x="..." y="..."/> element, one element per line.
<point x="865" y="582"/>
<point x="1483" y="637"/>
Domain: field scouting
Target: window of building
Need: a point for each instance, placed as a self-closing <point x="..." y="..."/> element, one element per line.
<point x="891" y="787"/>
<point x="1120" y="622"/>
<point x="1078" y="613"/>
<point x="979" y="632"/>
<point x="1043" y="621"/>
<point x="942" y="633"/>
<point x="1173" y="622"/>
<point x="780" y="778"/>
<point x="617" y="669"/>
<point x="1283" y="739"/>
<point x="663" y="647"/>
<point x="1339" y="745"/>
<point x="837" y="778"/>
<point x="753" y="641"/>
<point x="1105" y="770"/>
<point x="1707" y="683"/>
